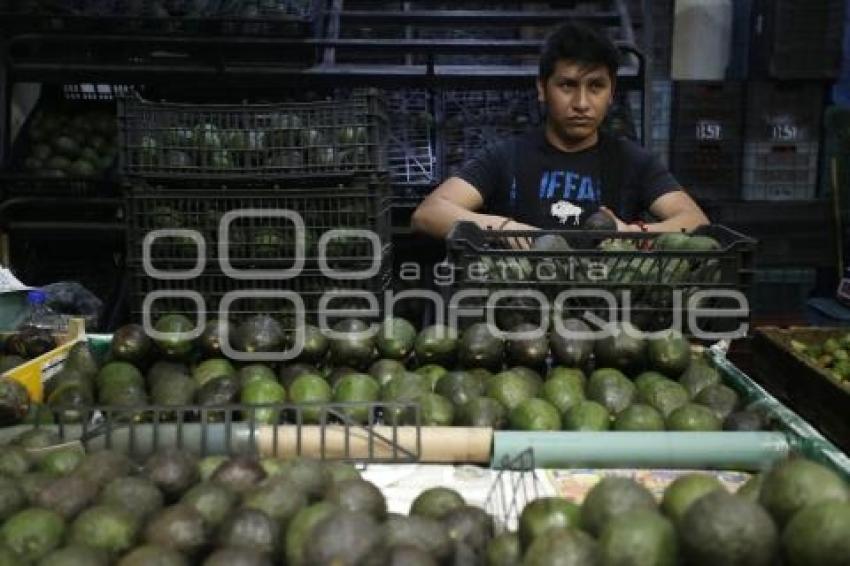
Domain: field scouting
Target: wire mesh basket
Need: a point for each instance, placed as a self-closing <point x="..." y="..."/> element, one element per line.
<point x="515" y="486"/>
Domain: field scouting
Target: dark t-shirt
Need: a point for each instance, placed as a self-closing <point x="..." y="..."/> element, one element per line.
<point x="527" y="179"/>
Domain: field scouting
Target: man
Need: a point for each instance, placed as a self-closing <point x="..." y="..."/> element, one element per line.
<point x="558" y="175"/>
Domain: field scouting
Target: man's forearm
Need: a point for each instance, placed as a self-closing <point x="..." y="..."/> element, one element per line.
<point x="437" y="217"/>
<point x="688" y="220"/>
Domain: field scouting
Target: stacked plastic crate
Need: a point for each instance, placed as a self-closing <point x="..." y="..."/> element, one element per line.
<point x="256" y="208"/>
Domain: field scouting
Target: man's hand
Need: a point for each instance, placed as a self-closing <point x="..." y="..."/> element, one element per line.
<point x="519" y="243"/>
<point x="621" y="226"/>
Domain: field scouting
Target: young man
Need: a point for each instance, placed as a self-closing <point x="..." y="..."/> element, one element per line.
<point x="558" y="175"/>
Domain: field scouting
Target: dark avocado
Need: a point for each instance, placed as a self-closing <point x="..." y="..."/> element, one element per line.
<point x="470" y="527"/>
<point x="172" y="470"/>
<point x="165" y="369"/>
<point x="460" y="387"/>
<point x="174" y="392"/>
<point x="14" y="402"/>
<point x="436" y="503"/>
<point x="436" y="345"/>
<point x="424" y="533"/>
<point x="67" y="495"/>
<point x="570" y="348"/>
<point x="482" y="411"/>
<point x="310" y="474"/>
<point x="176" y="344"/>
<point x="82" y="359"/>
<point x="406" y="555"/>
<point x="288" y="374"/>
<point x="104" y="466"/>
<point x="213" y="336"/>
<point x="30" y="343"/>
<point x="278" y="497"/>
<point x="396" y="338"/>
<point x="239" y="474"/>
<point x="33" y="483"/>
<point x="299" y="533"/>
<point x="528" y="352"/>
<point x="621" y="350"/>
<point x="153" y="555"/>
<point x="248" y="373"/>
<point x="345" y="538"/>
<point x="259" y="333"/>
<point x="12" y="498"/>
<point x="478" y="347"/>
<point x="386" y="369"/>
<point x="237" y="556"/>
<point x="135" y="494"/>
<point x="179" y="527"/>
<point x="74" y="555"/>
<point x="67" y="376"/>
<point x="131" y="344"/>
<point x="214" y="502"/>
<point x="15" y="461"/>
<point x="359" y="496"/>
<point x="315" y="345"/>
<point x="354" y="347"/>
<point x="222" y="390"/>
<point x="250" y="528"/>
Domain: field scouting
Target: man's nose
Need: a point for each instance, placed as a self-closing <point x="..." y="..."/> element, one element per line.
<point x="581" y="102"/>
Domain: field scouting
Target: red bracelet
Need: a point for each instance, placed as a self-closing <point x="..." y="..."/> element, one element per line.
<point x="642" y="225"/>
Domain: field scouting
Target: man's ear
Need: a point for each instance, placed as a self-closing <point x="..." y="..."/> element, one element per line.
<point x="541" y="91"/>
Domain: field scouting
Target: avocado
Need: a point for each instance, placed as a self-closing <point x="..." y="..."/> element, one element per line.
<point x="67" y="495"/>
<point x="545" y="513"/>
<point x="645" y="379"/>
<point x="10" y="362"/>
<point x="165" y="369"/>
<point x="562" y="547"/>
<point x="528" y="352"/>
<point x="403" y="389"/>
<point x="119" y="373"/>
<point x="211" y="369"/>
<point x="435" y="410"/>
<point x="460" y="387"/>
<point x="698" y="376"/>
<point x="587" y="416"/>
<point x="212" y="501"/>
<point x="698" y="243"/>
<point x="386" y="369"/>
<point x="504" y="550"/>
<point x="103" y="466"/>
<point x="179" y="527"/>
<point x="436" y="344"/>
<point x="692" y="417"/>
<point x="174" y="392"/>
<point x="355" y="347"/>
<point x="279" y="497"/>
<point x="213" y="336"/>
<point x="239" y="474"/>
<point x="571" y="348"/>
<point x="209" y="464"/>
<point x="259" y="333"/>
<point x="719" y="398"/>
<point x="137" y="495"/>
<point x="308" y="473"/>
<point x="744" y="420"/>
<point x="177" y="344"/>
<point x="12" y="498"/>
<point x="338" y="471"/>
<point x="262" y="392"/>
<point x="478" y="347"/>
<point x="720" y="528"/>
<point x="436" y="502"/>
<point x="287" y="374"/>
<point x="642" y="537"/>
<point x="222" y="390"/>
<point x="482" y="411"/>
<point x="15" y="461"/>
<point x="433" y="373"/>
<point x="32" y="484"/>
<point x="153" y="555"/>
<point x="334" y="375"/>
<point x="344" y="538"/>
<point x="110" y="529"/>
<point x="664" y="395"/>
<point x="357" y="388"/>
<point x="8" y="558"/>
<point x="299" y="534"/>
<point x="563" y="389"/>
<point x="684" y="491"/>
<point x="36" y="438"/>
<point x="818" y="534"/>
<point x="395" y="339"/>
<point x="32" y="533"/>
<point x="423" y="533"/>
<point x="611" y="497"/>
<point x="172" y="470"/>
<point x="469" y="527"/>
<point x="535" y="415"/>
<point x="510" y="389"/>
<point x="359" y="496"/>
<point x="237" y="556"/>
<point x="310" y="389"/>
<point x="671" y="241"/>
<point x="14" y="401"/>
<point x="251" y="528"/>
<point x="611" y="389"/>
<point x="30" y="342"/>
<point x="797" y="483"/>
<point x="131" y="344"/>
<point x="670" y="354"/>
<point x="599" y="221"/>
<point x="74" y="556"/>
<point x="639" y="417"/>
<point x="82" y="359"/>
<point x="621" y="349"/>
<point x="315" y="345"/>
<point x="69" y="376"/>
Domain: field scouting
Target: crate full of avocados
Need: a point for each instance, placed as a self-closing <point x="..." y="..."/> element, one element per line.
<point x="652" y="276"/>
<point x="253" y="141"/>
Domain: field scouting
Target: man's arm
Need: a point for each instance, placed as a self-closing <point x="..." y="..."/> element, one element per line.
<point x="455" y="200"/>
<point x="677" y="211"/>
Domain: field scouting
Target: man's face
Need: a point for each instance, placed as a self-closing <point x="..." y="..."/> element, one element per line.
<point x="577" y="98"/>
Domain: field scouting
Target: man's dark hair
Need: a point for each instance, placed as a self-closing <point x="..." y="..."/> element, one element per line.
<point x="580" y="43"/>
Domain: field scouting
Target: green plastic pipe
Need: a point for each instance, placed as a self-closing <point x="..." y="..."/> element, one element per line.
<point x="717" y="450"/>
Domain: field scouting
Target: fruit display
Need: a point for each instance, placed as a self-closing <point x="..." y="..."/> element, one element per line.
<point x="832" y="355"/>
<point x="70" y="143"/>
<point x="469" y="379"/>
<point x="69" y="507"/>
<point x="26" y="344"/>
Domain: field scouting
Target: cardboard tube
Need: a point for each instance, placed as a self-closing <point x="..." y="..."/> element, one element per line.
<point x="432" y="444"/>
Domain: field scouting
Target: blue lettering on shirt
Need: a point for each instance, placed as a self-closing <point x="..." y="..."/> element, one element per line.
<point x="585" y="191"/>
<point x="575" y="187"/>
<point x="553" y="183"/>
<point x="570" y="179"/>
<point x="544" y="184"/>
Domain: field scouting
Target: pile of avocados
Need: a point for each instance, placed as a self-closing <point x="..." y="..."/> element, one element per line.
<point x="433" y="377"/>
<point x="65" y="507"/>
<point x="832" y="356"/>
<point x="649" y="269"/>
<point x="71" y="144"/>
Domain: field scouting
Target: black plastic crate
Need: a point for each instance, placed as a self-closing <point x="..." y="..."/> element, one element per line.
<point x="707" y="129"/>
<point x="255" y="296"/>
<point x="780" y="171"/>
<point x="411" y="150"/>
<point x="782" y="290"/>
<point x="797" y="40"/>
<point x="626" y="265"/>
<point x="283" y="18"/>
<point x="784" y="112"/>
<point x="297" y="139"/>
<point x="262" y="234"/>
<point x="789" y="234"/>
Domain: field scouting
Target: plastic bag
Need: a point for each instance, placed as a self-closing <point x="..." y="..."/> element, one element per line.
<point x="71" y="298"/>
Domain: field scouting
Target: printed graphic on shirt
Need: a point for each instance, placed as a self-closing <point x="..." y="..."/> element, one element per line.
<point x="563" y="211"/>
